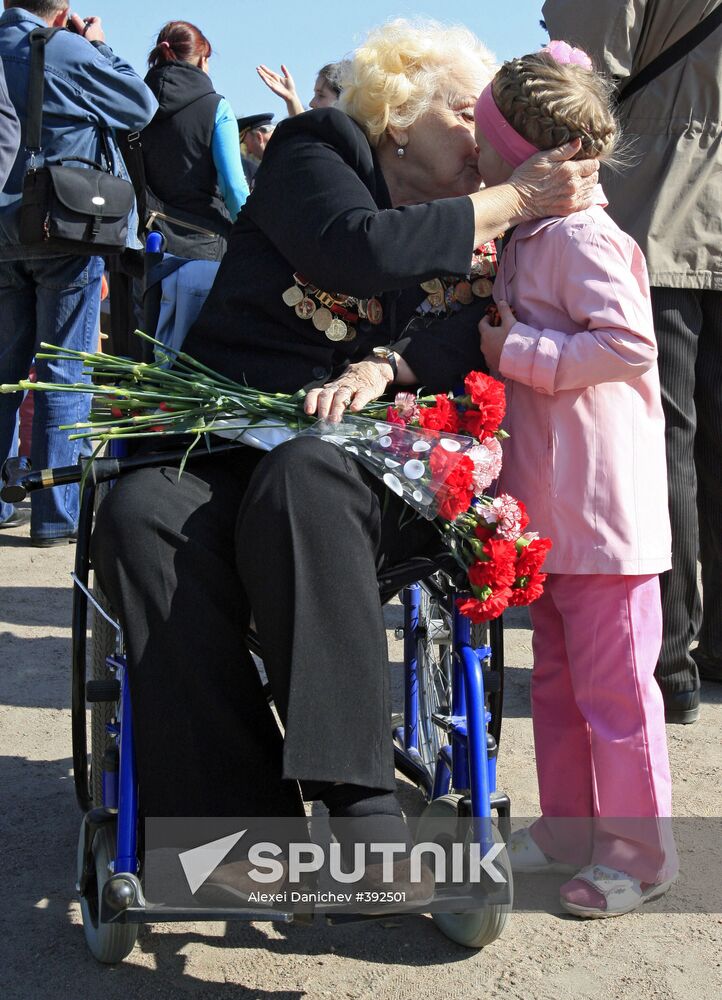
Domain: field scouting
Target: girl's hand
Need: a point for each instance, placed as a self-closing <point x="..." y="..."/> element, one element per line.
<point x="494" y="337"/>
<point x="548" y="184"/>
<point x="283" y="86"/>
<point x="358" y="385"/>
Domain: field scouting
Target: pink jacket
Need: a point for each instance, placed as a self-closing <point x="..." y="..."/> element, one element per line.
<point x="586" y="452"/>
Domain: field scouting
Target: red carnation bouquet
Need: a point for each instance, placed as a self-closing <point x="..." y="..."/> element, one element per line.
<point x="488" y="535"/>
<point x="440" y="454"/>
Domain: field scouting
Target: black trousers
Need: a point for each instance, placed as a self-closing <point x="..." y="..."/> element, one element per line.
<point x="688" y="324"/>
<point x="294" y="537"/>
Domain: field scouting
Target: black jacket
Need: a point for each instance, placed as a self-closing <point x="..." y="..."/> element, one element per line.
<point x="177" y="156"/>
<point x="321" y="207"/>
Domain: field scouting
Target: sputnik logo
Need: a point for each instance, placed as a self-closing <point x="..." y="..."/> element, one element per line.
<point x="200" y="862"/>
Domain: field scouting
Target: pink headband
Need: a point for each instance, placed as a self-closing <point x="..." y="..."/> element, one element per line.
<point x="492" y="124"/>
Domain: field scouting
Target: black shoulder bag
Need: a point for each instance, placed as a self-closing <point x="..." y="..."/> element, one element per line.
<point x="79" y="210"/>
<point x="678" y="50"/>
<point x="185" y="234"/>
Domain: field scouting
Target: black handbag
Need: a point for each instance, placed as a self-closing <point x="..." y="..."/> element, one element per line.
<point x="184" y="234"/>
<point x="79" y="210"/>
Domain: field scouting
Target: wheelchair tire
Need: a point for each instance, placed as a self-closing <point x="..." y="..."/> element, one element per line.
<point x="102" y="645"/>
<point x="474" y="928"/>
<point x="108" y="943"/>
<point x="433" y="657"/>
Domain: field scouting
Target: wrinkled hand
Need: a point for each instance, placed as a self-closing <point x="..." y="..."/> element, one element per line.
<point x="90" y="28"/>
<point x="358" y="385"/>
<point x="548" y="184"/>
<point x="493" y="338"/>
<point x="281" y="84"/>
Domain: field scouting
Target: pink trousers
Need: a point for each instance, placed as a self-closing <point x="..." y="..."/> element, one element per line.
<point x="599" y="730"/>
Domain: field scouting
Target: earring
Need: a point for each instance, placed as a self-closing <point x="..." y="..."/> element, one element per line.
<point x="401" y="152"/>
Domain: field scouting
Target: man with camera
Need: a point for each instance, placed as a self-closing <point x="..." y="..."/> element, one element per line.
<point x="49" y="293"/>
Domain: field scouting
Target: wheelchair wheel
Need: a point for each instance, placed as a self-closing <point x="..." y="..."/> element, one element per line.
<point x="101" y="712"/>
<point x="108" y="943"/>
<point x="433" y="655"/>
<point x="474" y="928"/>
<point x="102" y="645"/>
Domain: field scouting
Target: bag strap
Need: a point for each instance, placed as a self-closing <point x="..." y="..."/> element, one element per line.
<point x="39" y="38"/>
<point x="131" y="149"/>
<point x="133" y="156"/>
<point x="665" y="60"/>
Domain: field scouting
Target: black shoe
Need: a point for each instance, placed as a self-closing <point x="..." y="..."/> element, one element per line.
<point x="16" y="519"/>
<point x="415" y="893"/>
<point x="231" y="885"/>
<point x="681" y="707"/>
<point x="708" y="669"/>
<point x="52" y="540"/>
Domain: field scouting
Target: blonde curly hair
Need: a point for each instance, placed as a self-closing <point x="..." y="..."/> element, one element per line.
<point x="551" y="103"/>
<point x="393" y="78"/>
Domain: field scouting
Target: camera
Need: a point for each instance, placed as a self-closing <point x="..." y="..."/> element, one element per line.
<point x="70" y="25"/>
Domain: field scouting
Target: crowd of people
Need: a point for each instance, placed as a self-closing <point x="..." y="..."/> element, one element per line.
<point x="416" y="151"/>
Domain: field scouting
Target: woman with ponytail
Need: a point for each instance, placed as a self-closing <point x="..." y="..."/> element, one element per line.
<point x="191" y="157"/>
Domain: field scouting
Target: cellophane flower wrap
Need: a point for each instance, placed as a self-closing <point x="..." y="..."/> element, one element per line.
<point x="440" y="454"/>
<point x="488" y="535"/>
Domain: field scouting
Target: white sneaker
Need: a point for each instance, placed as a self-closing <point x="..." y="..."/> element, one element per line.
<point x="526" y="857"/>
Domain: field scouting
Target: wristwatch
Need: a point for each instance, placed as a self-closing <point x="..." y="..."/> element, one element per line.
<point x="387" y="355"/>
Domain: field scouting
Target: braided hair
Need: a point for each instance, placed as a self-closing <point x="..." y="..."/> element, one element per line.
<point x="551" y="103"/>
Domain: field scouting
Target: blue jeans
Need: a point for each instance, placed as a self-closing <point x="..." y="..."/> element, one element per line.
<point x="56" y="300"/>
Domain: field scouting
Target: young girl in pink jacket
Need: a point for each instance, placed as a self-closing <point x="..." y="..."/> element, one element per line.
<point x="586" y="454"/>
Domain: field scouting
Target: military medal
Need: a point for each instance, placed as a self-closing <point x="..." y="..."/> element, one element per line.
<point x="374" y="311"/>
<point x="335" y="315"/>
<point x="463" y="293"/>
<point x="305" y="308"/>
<point x="482" y="288"/>
<point x="446" y="295"/>
<point x="292" y="296"/>
<point x="336" y="330"/>
<point x="321" y="319"/>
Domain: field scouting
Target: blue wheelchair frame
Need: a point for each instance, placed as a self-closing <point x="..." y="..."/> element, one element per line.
<point x="468" y="762"/>
<point x="472" y="723"/>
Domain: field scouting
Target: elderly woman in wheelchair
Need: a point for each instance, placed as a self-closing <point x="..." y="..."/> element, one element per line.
<point x="330" y="283"/>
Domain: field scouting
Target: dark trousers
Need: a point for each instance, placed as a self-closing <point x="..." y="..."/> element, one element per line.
<point x="688" y="324"/>
<point x="294" y="537"/>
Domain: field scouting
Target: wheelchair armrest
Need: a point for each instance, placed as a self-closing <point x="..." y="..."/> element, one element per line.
<point x="18" y="479"/>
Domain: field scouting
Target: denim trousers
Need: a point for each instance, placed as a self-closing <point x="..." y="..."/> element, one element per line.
<point x="54" y="300"/>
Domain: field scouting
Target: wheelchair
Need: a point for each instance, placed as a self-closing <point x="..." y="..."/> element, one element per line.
<point x="446" y="740"/>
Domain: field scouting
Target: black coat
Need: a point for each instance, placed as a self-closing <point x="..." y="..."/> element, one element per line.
<point x="321" y="207"/>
